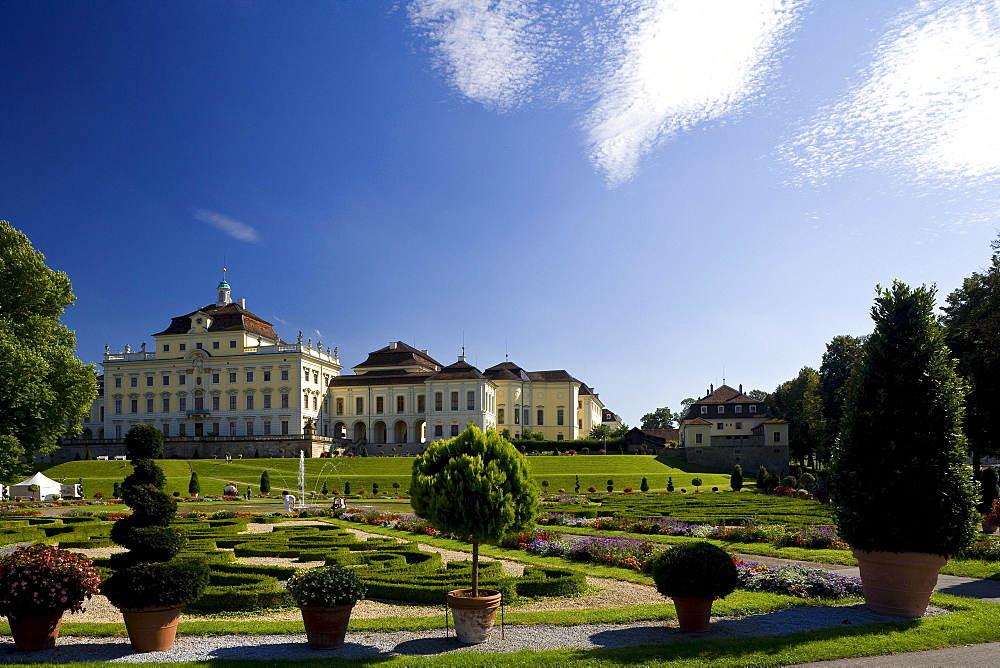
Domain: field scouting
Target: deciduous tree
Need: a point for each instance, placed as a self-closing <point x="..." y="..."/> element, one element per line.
<point x="45" y="391"/>
<point x="842" y="355"/>
<point x="661" y="418"/>
<point x="972" y="317"/>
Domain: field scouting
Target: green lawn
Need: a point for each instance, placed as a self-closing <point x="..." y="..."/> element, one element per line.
<point x="560" y="472"/>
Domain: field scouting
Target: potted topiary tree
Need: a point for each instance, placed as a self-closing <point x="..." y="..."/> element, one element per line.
<point x="903" y="497"/>
<point x="693" y="575"/>
<point x="475" y="485"/>
<point x="326" y="596"/>
<point x="149" y="584"/>
<point x="194" y="485"/>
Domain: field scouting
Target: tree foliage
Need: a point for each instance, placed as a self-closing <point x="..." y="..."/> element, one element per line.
<point x="842" y="355"/>
<point x="900" y="483"/>
<point x="661" y="418"/>
<point x="798" y="401"/>
<point x="972" y="317"/>
<point x="45" y="391"/>
<point x="476" y="485"/>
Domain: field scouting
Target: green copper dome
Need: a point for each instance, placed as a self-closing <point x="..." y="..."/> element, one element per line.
<point x="224" y="284"/>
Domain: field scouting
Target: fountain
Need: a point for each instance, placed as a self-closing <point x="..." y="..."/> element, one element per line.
<point x="302" y="481"/>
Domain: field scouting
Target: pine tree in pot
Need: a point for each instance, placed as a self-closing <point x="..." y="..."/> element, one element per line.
<point x="693" y="575"/>
<point x="475" y="485"/>
<point x="903" y="496"/>
<point x="149" y="584"/>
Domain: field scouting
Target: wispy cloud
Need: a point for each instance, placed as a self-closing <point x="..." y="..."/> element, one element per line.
<point x="648" y="69"/>
<point x="283" y="322"/>
<point x="234" y="228"/>
<point x="679" y="64"/>
<point x="924" y="110"/>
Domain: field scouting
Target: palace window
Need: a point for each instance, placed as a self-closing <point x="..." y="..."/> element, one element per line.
<point x="215" y="345"/>
<point x="400" y="404"/>
<point x="249" y="402"/>
<point x="232" y="344"/>
<point x="421" y="403"/>
<point x="305" y="400"/>
<point x="267" y="427"/>
<point x="718" y="425"/>
<point x="438" y="431"/>
<point x="284" y="374"/>
<point x="166" y="429"/>
<point x="739" y="409"/>
<point x="166" y="347"/>
<point x="249" y="376"/>
<point x="704" y="410"/>
<point x="215" y="403"/>
<point x="777" y="437"/>
<point x="182" y="379"/>
<point x="149" y="404"/>
<point x="315" y="402"/>
<point x="454" y="430"/>
<point x="697" y="439"/>
<point x="340" y="405"/>
<point x="215" y="378"/>
<point x="232" y="428"/>
<point x="133" y="381"/>
<point x="166" y="404"/>
<point x="753" y="408"/>
<point x="721" y="410"/>
<point x="541" y="417"/>
<point x="359" y="405"/>
<point x="232" y="402"/>
<point x="182" y="347"/>
<point x="438" y="401"/>
<point x="267" y="376"/>
<point x="454" y="401"/>
<point x="250" y="428"/>
<point x="149" y="381"/>
<point x="267" y="401"/>
<point x="118" y="381"/>
<point x="166" y="380"/>
<point x="182" y="404"/>
<point x="560" y="416"/>
<point x="198" y="346"/>
<point x="500" y="415"/>
<point x="284" y="427"/>
<point x="284" y="400"/>
<point x="517" y="415"/>
<point x="380" y="405"/>
<point x="183" y="426"/>
<point x="470" y="401"/>
<point x="134" y="405"/>
<point x="739" y="425"/>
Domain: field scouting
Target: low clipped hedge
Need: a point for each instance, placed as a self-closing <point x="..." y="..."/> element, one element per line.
<point x="241" y="592"/>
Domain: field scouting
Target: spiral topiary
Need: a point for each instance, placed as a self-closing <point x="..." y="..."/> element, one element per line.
<point x="148" y="575"/>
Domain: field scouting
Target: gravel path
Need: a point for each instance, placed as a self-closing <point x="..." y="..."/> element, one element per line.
<point x="416" y="644"/>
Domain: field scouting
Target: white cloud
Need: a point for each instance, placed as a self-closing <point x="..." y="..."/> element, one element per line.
<point x="486" y="46"/>
<point x="648" y="69"/>
<point x="680" y="64"/>
<point x="925" y="109"/>
<point x="236" y="229"/>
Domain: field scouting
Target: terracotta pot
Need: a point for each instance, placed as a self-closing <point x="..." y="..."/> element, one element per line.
<point x="35" y="632"/>
<point x="326" y="627"/>
<point x="693" y="612"/>
<point x="152" y="629"/>
<point x="473" y="615"/>
<point x="898" y="584"/>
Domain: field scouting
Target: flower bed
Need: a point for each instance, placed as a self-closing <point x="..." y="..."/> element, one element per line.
<point x="796" y="580"/>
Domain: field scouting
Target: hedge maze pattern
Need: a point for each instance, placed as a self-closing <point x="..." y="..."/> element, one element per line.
<point x="390" y="570"/>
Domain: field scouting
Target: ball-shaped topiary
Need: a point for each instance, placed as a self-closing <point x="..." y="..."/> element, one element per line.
<point x="900" y="483"/>
<point x="476" y="485"/>
<point x="143" y="441"/>
<point x="326" y="587"/>
<point x="697" y="569"/>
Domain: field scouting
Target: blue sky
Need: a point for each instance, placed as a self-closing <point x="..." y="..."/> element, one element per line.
<point x="652" y="195"/>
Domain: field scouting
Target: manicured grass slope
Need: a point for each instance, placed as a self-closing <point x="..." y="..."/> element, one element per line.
<point x="213" y="474"/>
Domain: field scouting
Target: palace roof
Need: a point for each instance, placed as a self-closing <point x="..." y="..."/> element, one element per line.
<point x="230" y="317"/>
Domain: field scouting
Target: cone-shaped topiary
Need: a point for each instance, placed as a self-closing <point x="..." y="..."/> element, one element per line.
<point x="194" y="485"/>
<point x="148" y="575"/>
<point x="900" y="483"/>
<point x="476" y="485"/>
<point x="736" y="478"/>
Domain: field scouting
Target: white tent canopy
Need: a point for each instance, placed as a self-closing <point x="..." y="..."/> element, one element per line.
<point x="47" y="486"/>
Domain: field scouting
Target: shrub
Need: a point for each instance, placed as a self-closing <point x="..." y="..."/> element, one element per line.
<point x="761" y="477"/>
<point x="326" y="587"/>
<point x="194" y="487"/>
<point x="163" y="584"/>
<point x="265" y="483"/>
<point x="670" y="483"/>
<point x="611" y="485"/>
<point x="736" y="478"/>
<point x="694" y="569"/>
<point x="696" y="482"/>
<point x="904" y="385"/>
<point x="644" y="485"/>
<point x="790" y="481"/>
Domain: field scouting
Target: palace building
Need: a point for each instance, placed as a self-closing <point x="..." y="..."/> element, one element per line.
<point x="219" y="381"/>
